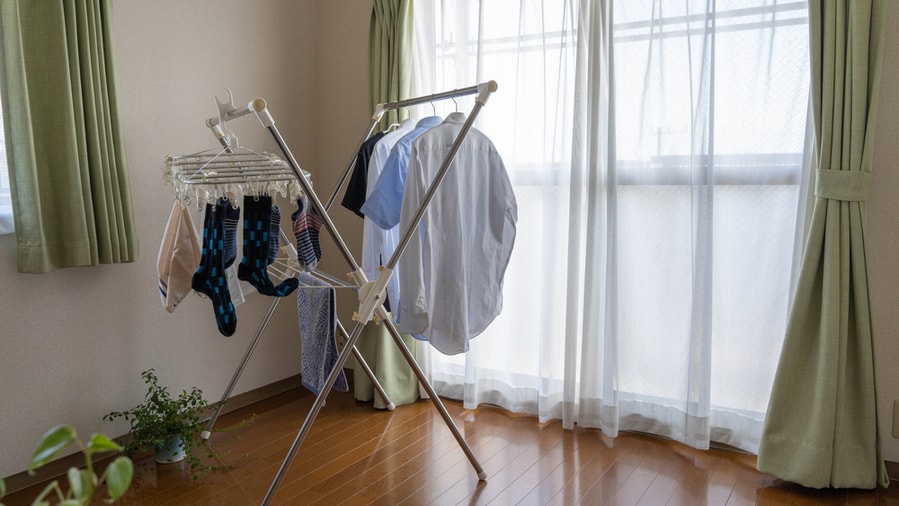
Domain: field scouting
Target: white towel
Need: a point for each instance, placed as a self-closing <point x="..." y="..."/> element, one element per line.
<point x="317" y="314"/>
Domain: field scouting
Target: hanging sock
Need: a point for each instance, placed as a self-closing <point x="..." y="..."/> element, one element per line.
<point x="257" y="223"/>
<point x="274" y="235"/>
<point x="306" y="228"/>
<point x="232" y="219"/>
<point x="210" y="279"/>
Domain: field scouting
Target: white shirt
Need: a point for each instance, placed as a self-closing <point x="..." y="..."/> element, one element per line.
<point x="378" y="245"/>
<point x="451" y="274"/>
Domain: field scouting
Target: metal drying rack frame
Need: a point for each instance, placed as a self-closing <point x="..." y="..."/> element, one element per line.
<point x="371" y="292"/>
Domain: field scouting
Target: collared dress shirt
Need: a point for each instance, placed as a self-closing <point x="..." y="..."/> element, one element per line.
<point x="384" y="201"/>
<point x="451" y="274"/>
<point x="378" y="244"/>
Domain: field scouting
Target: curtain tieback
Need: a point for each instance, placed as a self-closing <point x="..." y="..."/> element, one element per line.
<point x="849" y="185"/>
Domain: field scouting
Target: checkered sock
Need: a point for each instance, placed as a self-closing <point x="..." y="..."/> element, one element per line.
<point x="209" y="278"/>
<point x="257" y="223"/>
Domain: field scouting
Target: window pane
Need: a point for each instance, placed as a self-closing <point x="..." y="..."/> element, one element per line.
<point x="6" y="221"/>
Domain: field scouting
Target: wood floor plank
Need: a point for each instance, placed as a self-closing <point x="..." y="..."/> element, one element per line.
<point x="641" y="481"/>
<point x="586" y="446"/>
<point x="346" y="468"/>
<point x="396" y="468"/>
<point x="505" y="467"/>
<point x="356" y="455"/>
<point x="527" y="482"/>
<point x="419" y="476"/>
<point x="601" y="476"/>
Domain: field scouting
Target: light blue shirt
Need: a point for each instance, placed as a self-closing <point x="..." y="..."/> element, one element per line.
<point x="385" y="201"/>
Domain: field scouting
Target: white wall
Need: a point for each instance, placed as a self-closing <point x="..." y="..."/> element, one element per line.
<point x="343" y="115"/>
<point x="883" y="239"/>
<point x="76" y="340"/>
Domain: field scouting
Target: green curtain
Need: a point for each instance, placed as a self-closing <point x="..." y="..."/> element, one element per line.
<point x="821" y="428"/>
<point x="390" y="71"/>
<point x="390" y="56"/>
<point x="70" y="187"/>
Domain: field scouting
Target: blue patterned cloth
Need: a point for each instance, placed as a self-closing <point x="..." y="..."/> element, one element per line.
<point x="317" y="314"/>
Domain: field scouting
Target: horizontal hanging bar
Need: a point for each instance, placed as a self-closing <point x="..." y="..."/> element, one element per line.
<point x="487" y="87"/>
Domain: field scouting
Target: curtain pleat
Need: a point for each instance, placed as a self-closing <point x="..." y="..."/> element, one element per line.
<point x="68" y="173"/>
<point x="821" y="427"/>
<point x="390" y="71"/>
<point x="390" y="56"/>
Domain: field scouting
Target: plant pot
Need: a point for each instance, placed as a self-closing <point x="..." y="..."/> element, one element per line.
<point x="170" y="452"/>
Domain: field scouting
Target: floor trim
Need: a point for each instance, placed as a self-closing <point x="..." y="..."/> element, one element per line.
<point x="58" y="468"/>
<point x="892" y="470"/>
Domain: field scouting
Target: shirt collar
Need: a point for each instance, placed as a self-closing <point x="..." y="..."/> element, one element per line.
<point x="455" y="117"/>
<point x="430" y="121"/>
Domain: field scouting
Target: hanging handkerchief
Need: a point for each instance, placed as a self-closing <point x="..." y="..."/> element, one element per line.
<point x="179" y="256"/>
<point x="317" y="315"/>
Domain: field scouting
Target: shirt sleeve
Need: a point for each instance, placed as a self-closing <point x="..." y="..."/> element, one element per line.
<point x="413" y="303"/>
<point x="384" y="202"/>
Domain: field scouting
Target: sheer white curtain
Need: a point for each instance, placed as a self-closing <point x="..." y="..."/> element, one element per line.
<point x="656" y="149"/>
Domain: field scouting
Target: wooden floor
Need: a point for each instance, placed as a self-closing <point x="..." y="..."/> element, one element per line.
<point x="358" y="455"/>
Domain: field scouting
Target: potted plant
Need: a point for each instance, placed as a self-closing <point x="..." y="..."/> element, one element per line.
<point x="165" y="424"/>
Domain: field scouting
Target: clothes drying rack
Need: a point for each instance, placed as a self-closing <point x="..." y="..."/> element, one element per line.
<point x="371" y="293"/>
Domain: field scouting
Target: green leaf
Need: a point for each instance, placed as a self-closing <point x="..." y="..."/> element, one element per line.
<point x="69" y="502"/>
<point x="118" y="476"/>
<point x="81" y="483"/>
<point x="53" y="442"/>
<point x="101" y="443"/>
<point x="2" y="488"/>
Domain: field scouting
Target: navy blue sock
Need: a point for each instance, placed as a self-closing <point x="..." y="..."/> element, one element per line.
<point x="257" y="226"/>
<point x="209" y="278"/>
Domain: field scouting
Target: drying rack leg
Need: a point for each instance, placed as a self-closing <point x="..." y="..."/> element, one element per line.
<point x="243" y="364"/>
<point x="269" y="123"/>
<point x="252" y="347"/>
<point x="435" y="399"/>
<point x="313" y="413"/>
<point x="326" y="389"/>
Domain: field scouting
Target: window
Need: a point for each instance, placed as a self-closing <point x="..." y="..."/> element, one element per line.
<point x="651" y="294"/>
<point x="6" y="219"/>
<point x="716" y="102"/>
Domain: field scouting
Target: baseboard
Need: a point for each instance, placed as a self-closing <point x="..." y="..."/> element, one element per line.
<point x="259" y="394"/>
<point x="893" y="470"/>
<point x="59" y="467"/>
